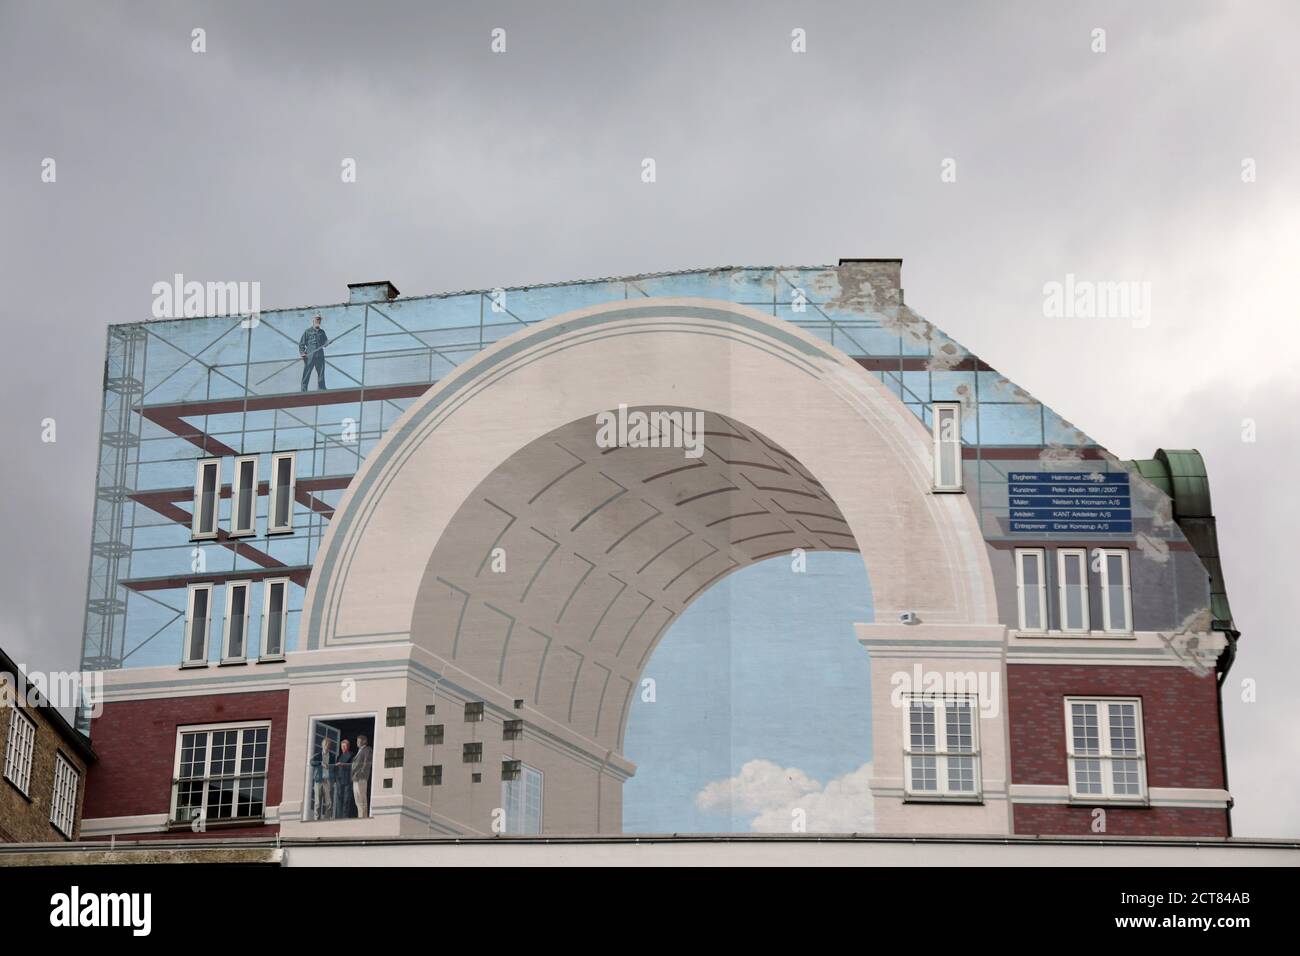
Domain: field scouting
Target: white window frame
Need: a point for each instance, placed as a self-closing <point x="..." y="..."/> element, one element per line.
<point x="241" y="726"/>
<point x="276" y="489"/>
<point x="524" y="771"/>
<point x="196" y="532"/>
<point x="237" y="499"/>
<point x="1126" y="586"/>
<point x="942" y="445"/>
<point x="63" y="799"/>
<point x="267" y="586"/>
<point x="1105" y="755"/>
<point x="186" y="659"/>
<point x="1022" y="590"/>
<point x="226" y="656"/>
<point x="1085" y="597"/>
<point x="20" y="750"/>
<point x="941" y="752"/>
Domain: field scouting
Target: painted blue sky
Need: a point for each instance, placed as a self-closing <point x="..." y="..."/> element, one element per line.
<point x="764" y="666"/>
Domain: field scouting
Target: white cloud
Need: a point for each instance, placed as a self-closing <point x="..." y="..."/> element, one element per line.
<point x="772" y="793"/>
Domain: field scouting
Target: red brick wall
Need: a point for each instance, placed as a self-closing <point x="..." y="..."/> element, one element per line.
<point x="136" y="744"/>
<point x="1181" y="736"/>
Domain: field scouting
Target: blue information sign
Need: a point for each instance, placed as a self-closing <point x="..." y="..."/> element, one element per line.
<point x="1073" y="502"/>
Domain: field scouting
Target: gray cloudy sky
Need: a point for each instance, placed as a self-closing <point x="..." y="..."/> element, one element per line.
<point x="477" y="170"/>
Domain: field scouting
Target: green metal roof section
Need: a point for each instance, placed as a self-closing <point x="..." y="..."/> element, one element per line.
<point x="1181" y="475"/>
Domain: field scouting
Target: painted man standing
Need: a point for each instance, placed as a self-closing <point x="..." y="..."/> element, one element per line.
<point x="312" y="349"/>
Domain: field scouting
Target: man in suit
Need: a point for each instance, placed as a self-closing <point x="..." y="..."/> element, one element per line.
<point x="361" y="776"/>
<point x="321" y="764"/>
<point x="312" y="349"/>
<point x="343" y="782"/>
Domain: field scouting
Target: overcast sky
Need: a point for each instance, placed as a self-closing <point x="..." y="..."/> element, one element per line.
<point x="478" y="170"/>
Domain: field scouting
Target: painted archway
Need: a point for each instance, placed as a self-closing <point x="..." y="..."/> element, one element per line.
<point x="527" y="563"/>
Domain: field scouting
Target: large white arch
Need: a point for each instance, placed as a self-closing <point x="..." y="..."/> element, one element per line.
<point x="399" y="590"/>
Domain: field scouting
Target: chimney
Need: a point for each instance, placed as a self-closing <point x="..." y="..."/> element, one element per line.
<point x="880" y="279"/>
<point x="362" y="292"/>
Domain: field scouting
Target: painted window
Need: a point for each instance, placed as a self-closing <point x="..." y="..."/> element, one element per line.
<point x="947" y="446"/>
<point x="521" y="798"/>
<point x="220" y="772"/>
<point x="63" y="802"/>
<point x="275" y="613"/>
<point x="234" y="645"/>
<point x="198" y="618"/>
<point x="1031" y="588"/>
<point x="243" y="506"/>
<point x="1072" y="575"/>
<point x="1105" y="748"/>
<point x="207" y="494"/>
<point x="283" y="477"/>
<point x="1116" y="594"/>
<point x="941" y="746"/>
<point x="18" y="751"/>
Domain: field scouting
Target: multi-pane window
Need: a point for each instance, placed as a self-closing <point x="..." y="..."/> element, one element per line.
<point x="1031" y="588"/>
<point x="275" y="612"/>
<point x="220" y="773"/>
<point x="235" y="642"/>
<point x="473" y="711"/>
<point x="207" y="495"/>
<point x="947" y="446"/>
<point x="1105" y="748"/>
<point x="243" y="505"/>
<point x="18" y="751"/>
<point x="1116" y="596"/>
<point x="1072" y="575"/>
<point x="472" y="752"/>
<point x="521" y="798"/>
<point x="63" y="802"/>
<point x="941" y="746"/>
<point x="280" y="512"/>
<point x="198" y="617"/>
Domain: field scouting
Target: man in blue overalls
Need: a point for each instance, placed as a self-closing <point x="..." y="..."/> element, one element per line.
<point x="312" y="348"/>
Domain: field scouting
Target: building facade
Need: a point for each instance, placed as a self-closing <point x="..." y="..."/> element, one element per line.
<point x="404" y="577"/>
<point x="44" y="764"/>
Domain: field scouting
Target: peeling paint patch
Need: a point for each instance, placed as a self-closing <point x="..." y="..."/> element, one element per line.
<point x="1193" y="644"/>
<point x="1060" y="454"/>
<point x="1152" y="548"/>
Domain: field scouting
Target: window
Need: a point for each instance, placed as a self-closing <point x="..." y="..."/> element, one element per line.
<point x="63" y="802"/>
<point x="283" y="475"/>
<point x="197" y="620"/>
<point x="18" y="752"/>
<point x="472" y="753"/>
<point x="1105" y="748"/>
<point x="275" y="612"/>
<point x="1031" y="588"/>
<point x="474" y="711"/>
<point x="1072" y="572"/>
<point x="947" y="446"/>
<point x="512" y="729"/>
<point x="521" y="798"/>
<point x="207" y="493"/>
<point x="433" y="775"/>
<point x="234" y="645"/>
<point x="511" y="769"/>
<point x="243" y="507"/>
<point x="220" y="773"/>
<point x="395" y="717"/>
<point x="1116" y="596"/>
<point x="393" y="757"/>
<point x="434" y="734"/>
<point x="941" y="747"/>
